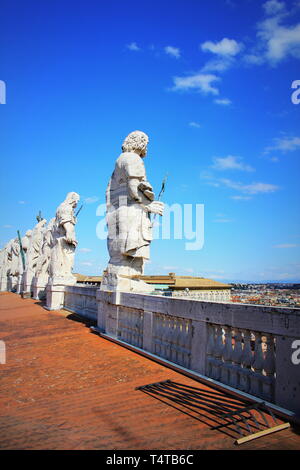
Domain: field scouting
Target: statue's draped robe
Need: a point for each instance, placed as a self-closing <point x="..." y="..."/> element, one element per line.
<point x="44" y="259"/>
<point x="62" y="260"/>
<point x="129" y="225"/>
<point x="15" y="261"/>
<point x="34" y="249"/>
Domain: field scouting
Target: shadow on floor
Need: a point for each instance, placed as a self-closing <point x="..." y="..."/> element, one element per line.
<point x="231" y="416"/>
<point x="88" y="322"/>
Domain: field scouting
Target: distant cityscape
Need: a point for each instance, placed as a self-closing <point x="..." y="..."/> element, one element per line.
<point x="281" y="294"/>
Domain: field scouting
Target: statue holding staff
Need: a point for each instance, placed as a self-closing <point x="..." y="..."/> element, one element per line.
<point x="129" y="203"/>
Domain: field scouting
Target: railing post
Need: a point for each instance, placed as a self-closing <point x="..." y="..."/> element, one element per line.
<point x="198" y="349"/>
<point x="148" y="331"/>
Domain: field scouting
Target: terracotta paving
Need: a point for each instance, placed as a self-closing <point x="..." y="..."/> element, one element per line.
<point x="63" y="387"/>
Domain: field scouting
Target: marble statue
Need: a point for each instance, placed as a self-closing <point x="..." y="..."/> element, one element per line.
<point x="5" y="266"/>
<point x="14" y="270"/>
<point x="129" y="203"/>
<point x="62" y="252"/>
<point x="26" y="241"/>
<point x="64" y="241"/>
<point x="25" y="245"/>
<point x="32" y="256"/>
<point x="43" y="263"/>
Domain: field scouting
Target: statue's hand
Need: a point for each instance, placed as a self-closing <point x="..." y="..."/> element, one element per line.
<point x="71" y="240"/>
<point x="156" y="207"/>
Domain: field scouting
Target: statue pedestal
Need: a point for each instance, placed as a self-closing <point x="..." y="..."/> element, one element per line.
<point x="55" y="291"/>
<point x="20" y="284"/>
<point x="124" y="278"/>
<point x="12" y="283"/>
<point x="27" y="284"/>
<point x="39" y="284"/>
<point x="3" y="284"/>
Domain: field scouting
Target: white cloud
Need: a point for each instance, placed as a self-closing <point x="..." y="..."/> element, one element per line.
<point x="230" y="163"/>
<point x="225" y="47"/>
<point x="85" y="250"/>
<point x="218" y="65"/>
<point x="172" y="51"/>
<point x="225" y="50"/>
<point x="199" y="82"/>
<point x="223" y="101"/>
<point x="91" y="200"/>
<point x="253" y="59"/>
<point x="276" y="41"/>
<point x="7" y="226"/>
<point x="21" y="202"/>
<point x="284" y="144"/>
<point x="280" y="41"/>
<point x="241" y="198"/>
<point x="86" y="263"/>
<point x="287" y="245"/>
<point x="195" y="124"/>
<point x="253" y="188"/>
<point x="272" y="7"/>
<point x="133" y="46"/>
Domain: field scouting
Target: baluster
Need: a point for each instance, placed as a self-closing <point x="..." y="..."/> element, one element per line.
<point x="257" y="378"/>
<point x="174" y="340"/>
<point x="140" y="329"/>
<point x="125" y="325"/>
<point x="218" y="353"/>
<point x="236" y="359"/>
<point x="161" y="335"/>
<point x="168" y="337"/>
<point x="269" y="367"/>
<point x="180" y="342"/>
<point x="187" y="344"/>
<point x="133" y="327"/>
<point x="210" y="350"/>
<point x="136" y="328"/>
<point x="155" y="334"/>
<point x="247" y="361"/>
<point x="227" y="355"/>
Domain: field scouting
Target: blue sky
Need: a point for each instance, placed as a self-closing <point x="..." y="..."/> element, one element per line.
<point x="208" y="81"/>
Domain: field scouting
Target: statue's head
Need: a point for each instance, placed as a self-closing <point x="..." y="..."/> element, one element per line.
<point x="72" y="198"/>
<point x="28" y="233"/>
<point x="137" y="142"/>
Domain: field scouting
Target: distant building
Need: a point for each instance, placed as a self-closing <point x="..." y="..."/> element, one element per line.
<point x="197" y="288"/>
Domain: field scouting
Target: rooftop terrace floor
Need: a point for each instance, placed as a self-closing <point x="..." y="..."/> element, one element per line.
<point x="64" y="387"/>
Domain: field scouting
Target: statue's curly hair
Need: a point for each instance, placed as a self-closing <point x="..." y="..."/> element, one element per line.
<point x="136" y="140"/>
<point x="72" y="196"/>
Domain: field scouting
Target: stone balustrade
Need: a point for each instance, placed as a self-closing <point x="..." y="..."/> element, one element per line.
<point x="246" y="347"/>
<point x="81" y="300"/>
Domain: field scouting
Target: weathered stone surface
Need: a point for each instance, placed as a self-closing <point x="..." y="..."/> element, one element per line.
<point x="42" y="269"/>
<point x="129" y="201"/>
<point x="33" y="253"/>
<point x="63" y="243"/>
